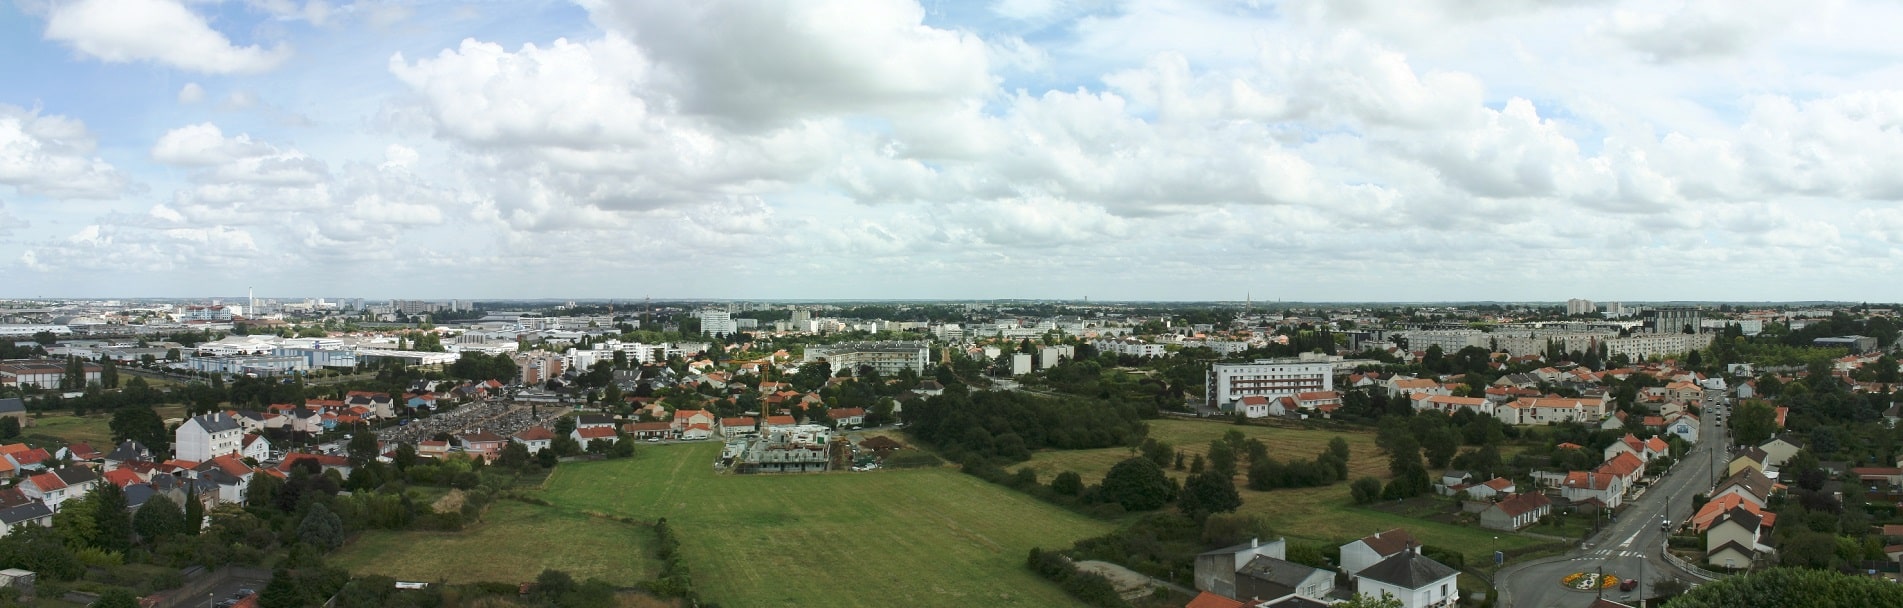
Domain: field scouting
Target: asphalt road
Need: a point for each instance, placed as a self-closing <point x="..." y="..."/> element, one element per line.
<point x="1629" y="548"/>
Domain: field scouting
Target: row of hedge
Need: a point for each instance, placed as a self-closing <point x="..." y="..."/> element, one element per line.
<point x="1088" y="587"/>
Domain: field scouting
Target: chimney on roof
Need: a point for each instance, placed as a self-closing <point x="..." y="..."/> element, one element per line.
<point x="1252" y="542"/>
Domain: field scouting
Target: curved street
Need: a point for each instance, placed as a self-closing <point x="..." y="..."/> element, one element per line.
<point x="1631" y="547"/>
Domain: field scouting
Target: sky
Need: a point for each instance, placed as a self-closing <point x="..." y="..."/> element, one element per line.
<point x="1306" y="150"/>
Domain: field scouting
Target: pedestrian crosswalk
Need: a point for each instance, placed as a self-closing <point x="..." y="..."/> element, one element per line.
<point x="1606" y="553"/>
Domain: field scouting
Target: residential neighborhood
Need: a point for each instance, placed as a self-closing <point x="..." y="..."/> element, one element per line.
<point x="1533" y="441"/>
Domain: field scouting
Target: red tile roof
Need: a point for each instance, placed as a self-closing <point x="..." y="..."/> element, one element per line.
<point x="32" y="456"/>
<point x="123" y="477"/>
<point x="1211" y="600"/>
<point x="46" y="482"/>
<point x="1523" y="503"/>
<point x="535" y="433"/>
<point x="1389" y="542"/>
<point x="595" y="432"/>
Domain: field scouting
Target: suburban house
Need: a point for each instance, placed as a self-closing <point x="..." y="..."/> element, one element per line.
<point x="584" y="436"/>
<point x="32" y="513"/>
<point x="256" y="447"/>
<point x="380" y="404"/>
<point x="127" y="451"/>
<point x="1448" y="404"/>
<point x="1779" y="449"/>
<point x="1402" y="386"/>
<point x="735" y="427"/>
<point x="1548" y="410"/>
<point x="1373" y="548"/>
<point x="203" y="437"/>
<point x="695" y="431"/>
<point x="1646" y="449"/>
<point x="1685" y="426"/>
<point x="648" y="430"/>
<point x="684" y="418"/>
<point x="1733" y="540"/>
<point x="482" y="442"/>
<point x="1415" y="579"/>
<point x="847" y="416"/>
<point x="1265" y="578"/>
<point x="429" y="448"/>
<point x="1626" y="467"/>
<point x="1516" y="512"/>
<point x="534" y="438"/>
<point x="1318" y="400"/>
<point x="46" y="488"/>
<point x="1491" y="489"/>
<point x="1718" y="507"/>
<point x="1751" y="457"/>
<point x="1749" y="484"/>
<point x="28" y="460"/>
<point x="593" y="421"/>
<point x="1253" y="406"/>
<point x="1581" y="486"/>
<point x="1216" y="570"/>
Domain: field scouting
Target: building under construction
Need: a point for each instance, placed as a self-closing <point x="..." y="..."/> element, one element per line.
<point x="804" y="448"/>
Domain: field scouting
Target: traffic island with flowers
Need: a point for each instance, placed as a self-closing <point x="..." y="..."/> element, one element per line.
<point x="1584" y="581"/>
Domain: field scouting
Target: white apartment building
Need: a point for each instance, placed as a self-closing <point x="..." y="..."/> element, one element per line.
<point x="1450" y="341"/>
<point x="887" y="358"/>
<point x="1228" y="383"/>
<point x="717" y="323"/>
<point x="1640" y="346"/>
<point x="209" y="436"/>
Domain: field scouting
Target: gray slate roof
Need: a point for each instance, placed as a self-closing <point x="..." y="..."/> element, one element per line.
<point x="1279" y="571"/>
<point x="75" y="475"/>
<point x="26" y="512"/>
<point x="216" y="422"/>
<point x="1408" y="570"/>
<point x="129" y="451"/>
<point x="11" y="405"/>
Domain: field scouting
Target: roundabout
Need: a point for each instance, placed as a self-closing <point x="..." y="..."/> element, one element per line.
<point x="1589" y="581"/>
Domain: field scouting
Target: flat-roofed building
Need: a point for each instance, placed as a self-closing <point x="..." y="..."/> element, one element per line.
<point x="887" y="358"/>
<point x="1228" y="383"/>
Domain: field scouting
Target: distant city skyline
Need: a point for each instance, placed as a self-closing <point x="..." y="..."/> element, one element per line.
<point x="890" y="149"/>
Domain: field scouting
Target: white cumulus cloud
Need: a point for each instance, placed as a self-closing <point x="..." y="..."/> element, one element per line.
<point x="162" y="31"/>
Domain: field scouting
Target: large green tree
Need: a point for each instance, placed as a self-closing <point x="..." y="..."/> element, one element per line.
<point x="1137" y="484"/>
<point x="140" y="424"/>
<point x="1753" y="422"/>
<point x="1792" y="588"/>
<point x="1208" y="493"/>
<point x="111" y="522"/>
<point x="157" y="518"/>
<point x="321" y="528"/>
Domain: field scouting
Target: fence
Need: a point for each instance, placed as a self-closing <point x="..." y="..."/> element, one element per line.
<point x="1692" y="569"/>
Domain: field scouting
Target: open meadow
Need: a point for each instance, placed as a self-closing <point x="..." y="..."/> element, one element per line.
<point x="512" y="544"/>
<point x="916" y="537"/>
<point x="1326" y="514"/>
<point x="91" y="429"/>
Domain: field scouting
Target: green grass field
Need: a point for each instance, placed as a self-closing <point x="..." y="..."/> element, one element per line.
<point x="1325" y="514"/>
<point x="916" y="538"/>
<point x="92" y="429"/>
<point x="1192" y="437"/>
<point x="512" y="544"/>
